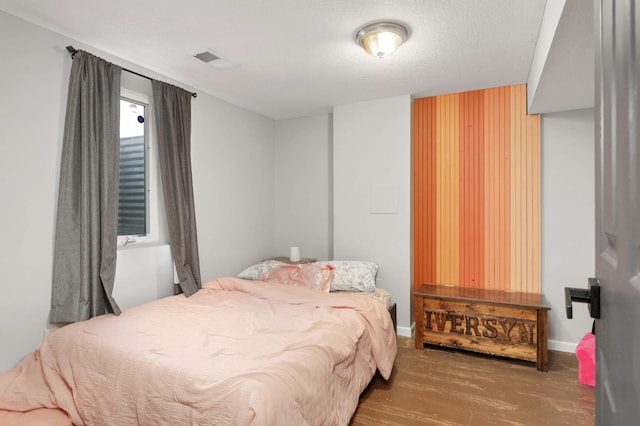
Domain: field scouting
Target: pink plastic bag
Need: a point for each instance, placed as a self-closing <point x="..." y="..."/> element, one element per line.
<point x="586" y="354"/>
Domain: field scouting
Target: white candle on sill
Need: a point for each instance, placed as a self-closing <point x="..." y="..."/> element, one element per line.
<point x="294" y="254"/>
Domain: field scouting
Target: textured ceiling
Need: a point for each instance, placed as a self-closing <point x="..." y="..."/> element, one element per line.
<point x="298" y="57"/>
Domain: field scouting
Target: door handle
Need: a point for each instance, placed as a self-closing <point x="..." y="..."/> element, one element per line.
<point x="591" y="296"/>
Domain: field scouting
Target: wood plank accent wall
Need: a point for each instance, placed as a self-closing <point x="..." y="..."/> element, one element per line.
<point x="447" y="189"/>
<point x="477" y="190"/>
<point x="472" y="232"/>
<point x="425" y="184"/>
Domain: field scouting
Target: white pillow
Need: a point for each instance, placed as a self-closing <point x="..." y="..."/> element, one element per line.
<point x="353" y="275"/>
<point x="253" y="272"/>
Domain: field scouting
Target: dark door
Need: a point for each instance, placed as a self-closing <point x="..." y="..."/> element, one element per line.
<point x="617" y="114"/>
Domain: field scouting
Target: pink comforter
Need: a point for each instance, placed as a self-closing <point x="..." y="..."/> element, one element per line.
<point x="237" y="352"/>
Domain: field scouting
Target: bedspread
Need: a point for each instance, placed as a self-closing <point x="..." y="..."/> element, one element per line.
<point x="236" y="352"/>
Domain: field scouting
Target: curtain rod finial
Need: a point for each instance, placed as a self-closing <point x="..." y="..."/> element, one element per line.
<point x="71" y="50"/>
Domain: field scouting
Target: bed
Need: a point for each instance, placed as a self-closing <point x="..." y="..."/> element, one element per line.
<point x="236" y="352"/>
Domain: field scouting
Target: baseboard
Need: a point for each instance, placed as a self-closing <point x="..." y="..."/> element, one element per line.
<point x="406" y="331"/>
<point x="560" y="346"/>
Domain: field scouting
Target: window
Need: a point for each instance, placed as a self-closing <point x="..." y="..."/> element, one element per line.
<point x="141" y="216"/>
<point x="132" y="207"/>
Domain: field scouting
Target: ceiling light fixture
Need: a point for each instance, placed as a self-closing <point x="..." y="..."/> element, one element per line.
<point x="382" y="38"/>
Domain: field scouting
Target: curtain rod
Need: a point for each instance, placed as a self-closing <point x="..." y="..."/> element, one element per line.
<point x="73" y="52"/>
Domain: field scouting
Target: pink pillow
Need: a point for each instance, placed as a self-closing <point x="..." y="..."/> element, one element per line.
<point x="586" y="354"/>
<point x="310" y="275"/>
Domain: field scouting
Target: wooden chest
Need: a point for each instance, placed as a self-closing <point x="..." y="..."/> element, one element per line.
<point x="494" y="322"/>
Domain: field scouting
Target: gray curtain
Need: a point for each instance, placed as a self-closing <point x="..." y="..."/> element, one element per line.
<point x="172" y="108"/>
<point x="84" y="262"/>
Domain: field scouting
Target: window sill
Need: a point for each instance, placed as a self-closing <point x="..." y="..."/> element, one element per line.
<point x="142" y="245"/>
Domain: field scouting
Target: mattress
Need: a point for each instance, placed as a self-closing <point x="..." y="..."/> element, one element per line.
<point x="379" y="294"/>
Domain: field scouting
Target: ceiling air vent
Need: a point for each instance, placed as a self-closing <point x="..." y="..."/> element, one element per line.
<point x="214" y="60"/>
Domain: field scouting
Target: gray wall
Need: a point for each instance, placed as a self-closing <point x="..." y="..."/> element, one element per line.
<point x="33" y="80"/>
<point x="372" y="193"/>
<point x="303" y="193"/>
<point x="233" y="173"/>
<point x="568" y="219"/>
<point x="233" y="167"/>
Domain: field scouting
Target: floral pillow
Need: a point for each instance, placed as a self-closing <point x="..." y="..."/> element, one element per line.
<point x="310" y="275"/>
<point x="253" y="272"/>
<point x="352" y="275"/>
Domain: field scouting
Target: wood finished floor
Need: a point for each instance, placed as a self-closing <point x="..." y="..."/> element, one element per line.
<point x="445" y="387"/>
